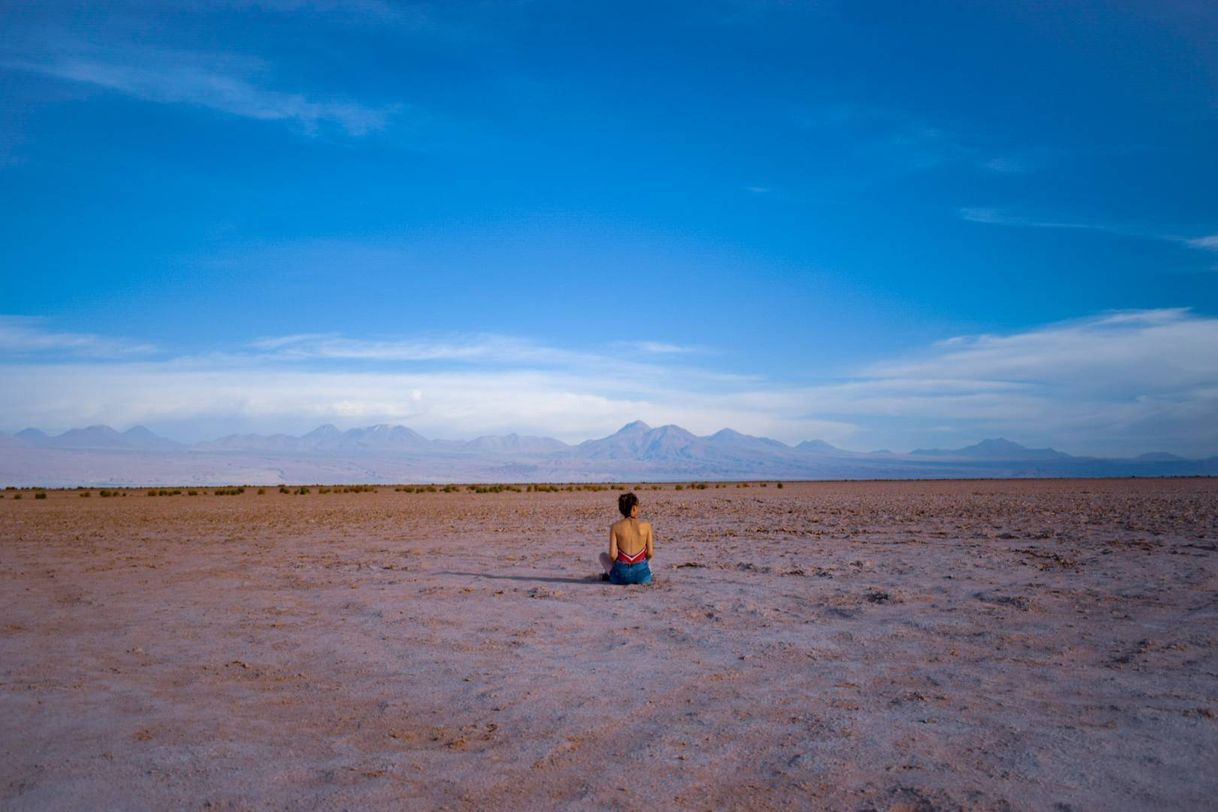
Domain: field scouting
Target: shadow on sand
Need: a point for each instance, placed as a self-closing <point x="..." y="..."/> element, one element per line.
<point x="588" y="579"/>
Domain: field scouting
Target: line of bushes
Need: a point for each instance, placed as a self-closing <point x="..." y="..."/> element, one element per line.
<point x="450" y="488"/>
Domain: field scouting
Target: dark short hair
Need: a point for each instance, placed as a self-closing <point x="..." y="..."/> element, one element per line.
<point x="625" y="502"/>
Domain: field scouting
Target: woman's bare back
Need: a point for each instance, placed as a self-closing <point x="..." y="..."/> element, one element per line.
<point x="630" y="536"/>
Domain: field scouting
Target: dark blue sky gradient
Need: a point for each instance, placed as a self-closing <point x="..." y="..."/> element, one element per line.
<point x="780" y="183"/>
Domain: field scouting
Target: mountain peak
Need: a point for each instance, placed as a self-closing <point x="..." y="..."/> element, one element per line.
<point x="1159" y="456"/>
<point x="144" y="438"/>
<point x="1002" y="447"/>
<point x="633" y="427"/>
<point x="997" y="444"/>
<point x="816" y="445"/>
<point x="98" y="428"/>
<point x="97" y="436"/>
<point x="994" y="448"/>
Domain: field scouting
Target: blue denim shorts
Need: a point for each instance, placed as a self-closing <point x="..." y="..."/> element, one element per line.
<point x="639" y="573"/>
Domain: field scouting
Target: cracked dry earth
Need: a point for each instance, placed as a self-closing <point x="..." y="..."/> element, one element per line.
<point x="891" y="646"/>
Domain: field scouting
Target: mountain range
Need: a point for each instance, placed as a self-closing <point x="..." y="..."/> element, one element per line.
<point x="100" y="455"/>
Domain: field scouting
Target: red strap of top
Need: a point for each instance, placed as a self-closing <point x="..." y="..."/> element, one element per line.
<point x="626" y="558"/>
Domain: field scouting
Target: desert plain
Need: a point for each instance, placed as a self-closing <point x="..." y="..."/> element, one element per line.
<point x="1048" y="644"/>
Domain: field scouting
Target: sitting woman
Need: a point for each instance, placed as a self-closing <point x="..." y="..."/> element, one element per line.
<point x="630" y="546"/>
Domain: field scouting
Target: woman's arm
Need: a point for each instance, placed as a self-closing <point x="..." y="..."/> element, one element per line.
<point x="612" y="545"/>
<point x="647" y="536"/>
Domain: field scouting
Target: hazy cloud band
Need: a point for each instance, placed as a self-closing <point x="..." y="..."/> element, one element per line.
<point x="1117" y="383"/>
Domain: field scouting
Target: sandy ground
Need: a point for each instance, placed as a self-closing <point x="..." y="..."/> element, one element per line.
<point x="899" y="646"/>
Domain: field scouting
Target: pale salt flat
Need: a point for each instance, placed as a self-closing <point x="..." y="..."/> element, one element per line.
<point x="930" y="645"/>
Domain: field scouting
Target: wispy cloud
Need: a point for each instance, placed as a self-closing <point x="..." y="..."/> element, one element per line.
<point x="660" y="348"/>
<point x="217" y="82"/>
<point x="1129" y="351"/>
<point x="999" y="217"/>
<point x="23" y="335"/>
<point x="482" y="347"/>
<point x="477" y="348"/>
<point x="378" y="9"/>
<point x="1010" y="165"/>
<point x="909" y="141"/>
<point x="1119" y="382"/>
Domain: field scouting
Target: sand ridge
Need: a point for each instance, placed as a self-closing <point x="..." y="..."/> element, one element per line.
<point x="899" y="645"/>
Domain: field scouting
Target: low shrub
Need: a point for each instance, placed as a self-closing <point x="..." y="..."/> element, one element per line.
<point x="40" y="495"/>
<point x="493" y="488"/>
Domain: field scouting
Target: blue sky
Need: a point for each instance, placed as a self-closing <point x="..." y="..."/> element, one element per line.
<point x="881" y="224"/>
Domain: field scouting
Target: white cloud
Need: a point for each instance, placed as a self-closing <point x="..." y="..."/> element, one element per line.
<point x="23" y="335"/>
<point x="620" y="358"/>
<point x="1119" y="382"/>
<point x="660" y="347"/>
<point x="217" y="82"/>
<point x="998" y="217"/>
<point x="1164" y="348"/>
<point x="480" y="347"/>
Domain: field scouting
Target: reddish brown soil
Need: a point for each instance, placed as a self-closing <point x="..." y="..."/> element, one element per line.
<point x="977" y="645"/>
